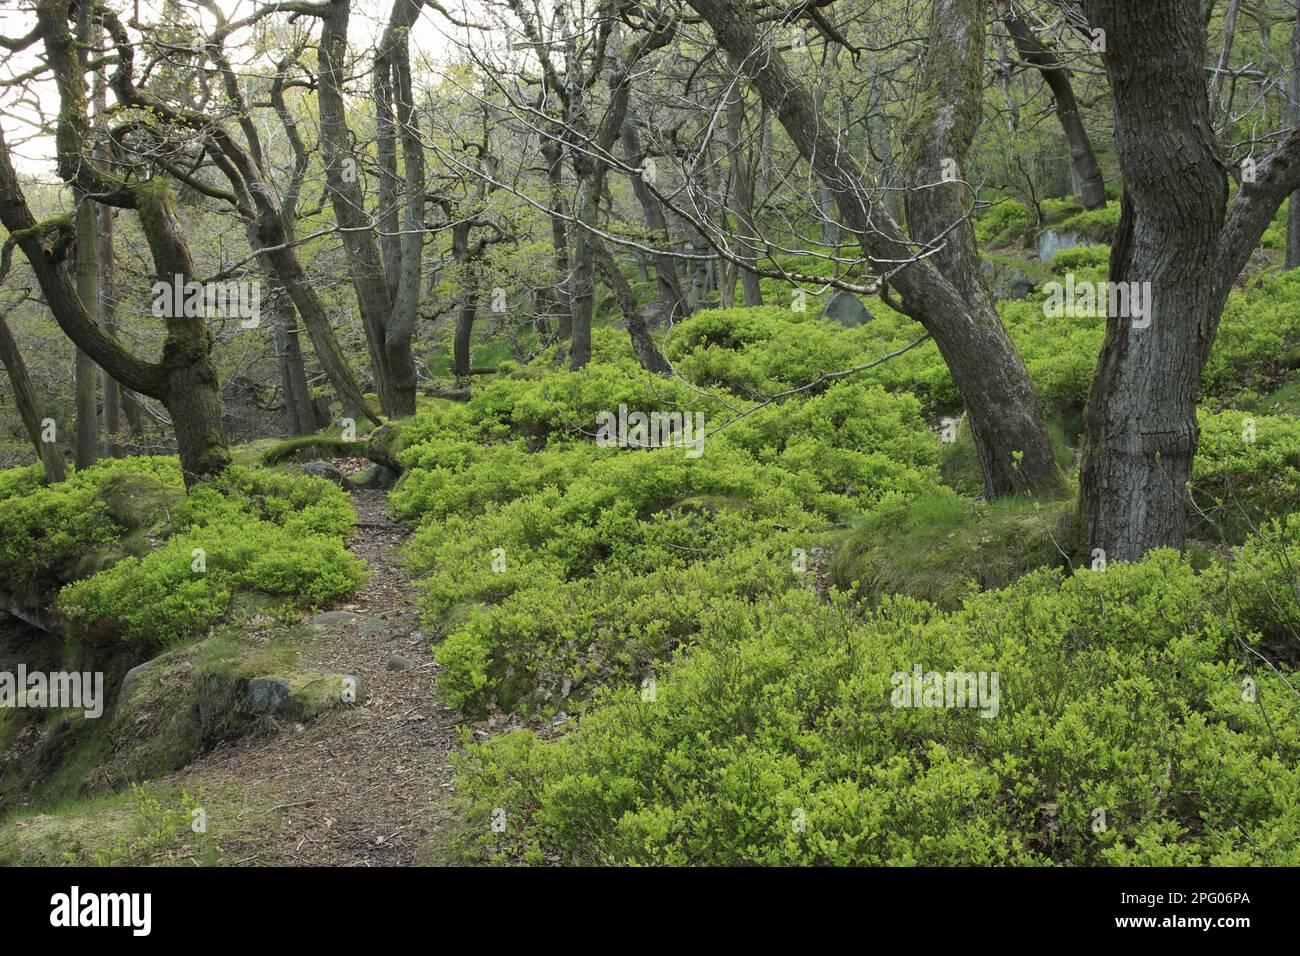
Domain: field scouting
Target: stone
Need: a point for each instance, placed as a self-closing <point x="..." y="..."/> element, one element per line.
<point x="845" y="308"/>
<point x="323" y="469"/>
<point x="301" y="697"/>
<point x="1050" y="242"/>
<point x="131" y="677"/>
<point x="267" y="695"/>
<point x="378" y="477"/>
<point x="330" y="618"/>
<point x="398" y="663"/>
<point x="1020" y="286"/>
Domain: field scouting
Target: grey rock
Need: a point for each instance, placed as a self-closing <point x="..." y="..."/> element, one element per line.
<point x="1020" y="286"/>
<point x="323" y="469"/>
<point x="267" y="695"/>
<point x="128" y="682"/>
<point x="843" y="307"/>
<point x="1050" y="242"/>
<point x="330" y="618"/>
<point x="398" y="663"/>
<point x="378" y="477"/>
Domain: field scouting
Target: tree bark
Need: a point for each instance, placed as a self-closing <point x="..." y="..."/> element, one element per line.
<point x="742" y="195"/>
<point x="51" y="457"/>
<point x="107" y="277"/>
<point x="1141" y="432"/>
<point x="461" y="364"/>
<point x="1007" y="421"/>
<point x="343" y="184"/>
<point x="299" y="410"/>
<point x="1293" y="211"/>
<point x="553" y="153"/>
<point x="1091" y="185"/>
<point x="666" y="278"/>
<point x="108" y="318"/>
<point x="86" y="376"/>
<point x="399" y="327"/>
<point x="642" y="344"/>
<point x="86" y="372"/>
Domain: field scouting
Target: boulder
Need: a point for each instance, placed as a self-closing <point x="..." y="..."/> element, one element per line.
<point x="129" y="680"/>
<point x="302" y="696"/>
<point x="377" y="477"/>
<point x="330" y="618"/>
<point x="845" y="308"/>
<point x="267" y="695"/>
<point x="1050" y="242"/>
<point x="323" y="469"/>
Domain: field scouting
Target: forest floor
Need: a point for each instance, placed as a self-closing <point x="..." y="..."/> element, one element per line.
<point x="364" y="785"/>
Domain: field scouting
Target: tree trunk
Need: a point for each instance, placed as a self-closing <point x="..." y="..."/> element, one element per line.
<point x="554" y="155"/>
<point x="299" y="412"/>
<point x="108" y="319"/>
<point x="462" y="366"/>
<point x="87" y="373"/>
<point x="399" y="328"/>
<point x="1007" y="421"/>
<point x="642" y="344"/>
<point x="87" y="265"/>
<point x="742" y="195"/>
<point x="1293" y="211"/>
<point x="343" y="184"/>
<point x="191" y="391"/>
<point x="1141" y="431"/>
<point x="1225" y="56"/>
<point x="107" y="278"/>
<point x="670" y="286"/>
<point x="583" y="275"/>
<point x="1090" y="185"/>
<point x="51" y="457"/>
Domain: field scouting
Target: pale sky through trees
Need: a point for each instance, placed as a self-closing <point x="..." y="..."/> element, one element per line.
<point x="432" y="37"/>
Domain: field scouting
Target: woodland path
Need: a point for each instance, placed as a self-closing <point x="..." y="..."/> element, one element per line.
<point x="368" y="785"/>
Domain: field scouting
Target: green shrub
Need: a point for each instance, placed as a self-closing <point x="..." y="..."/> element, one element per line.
<point x="774" y="740"/>
<point x="1081" y="258"/>
<point x="176" y="592"/>
<point x="1003" y="223"/>
<point x="943" y="548"/>
<point x="21" y="481"/>
<point x="1247" y="470"/>
<point x="126" y="530"/>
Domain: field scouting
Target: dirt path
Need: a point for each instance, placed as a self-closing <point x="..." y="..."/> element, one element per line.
<point x="363" y="786"/>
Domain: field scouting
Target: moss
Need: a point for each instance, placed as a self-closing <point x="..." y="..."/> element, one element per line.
<point x="146" y="825"/>
<point x="310" y="446"/>
<point x="312" y="694"/>
<point x="707" y="505"/>
<point x="944" y="548"/>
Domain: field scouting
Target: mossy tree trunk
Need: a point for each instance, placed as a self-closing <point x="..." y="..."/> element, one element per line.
<point x="1007" y="421"/>
<point x="185" y="379"/>
<point x="56" y="467"/>
<point x="1091" y="185"/>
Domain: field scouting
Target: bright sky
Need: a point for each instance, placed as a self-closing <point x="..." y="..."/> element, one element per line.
<point x="433" y="38"/>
